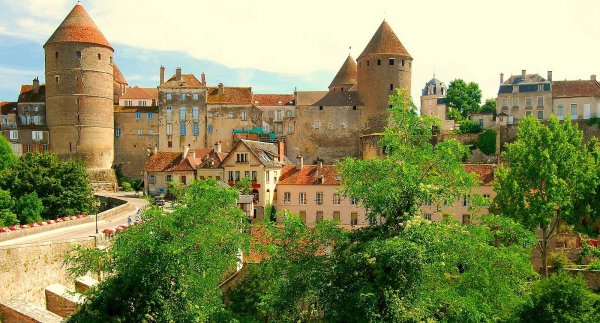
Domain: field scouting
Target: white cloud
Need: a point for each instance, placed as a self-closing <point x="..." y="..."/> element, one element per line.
<point x="456" y="39"/>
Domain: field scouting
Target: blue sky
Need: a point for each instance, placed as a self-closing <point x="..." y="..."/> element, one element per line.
<point x="276" y="45"/>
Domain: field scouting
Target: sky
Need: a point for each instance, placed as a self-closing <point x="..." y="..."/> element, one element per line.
<point x="276" y="46"/>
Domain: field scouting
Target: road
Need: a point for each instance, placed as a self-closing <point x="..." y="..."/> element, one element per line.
<point x="82" y="230"/>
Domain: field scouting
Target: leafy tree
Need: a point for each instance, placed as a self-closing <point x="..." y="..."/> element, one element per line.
<point x="463" y="97"/>
<point x="561" y="298"/>
<point x="29" y="208"/>
<point x="489" y="106"/>
<point x="167" y="269"/>
<point x="413" y="171"/>
<point x="126" y="186"/>
<point x="486" y="141"/>
<point x="7" y="157"/>
<point x="469" y="126"/>
<point x="63" y="186"/>
<point x="7" y="217"/>
<point x="547" y="173"/>
<point x="244" y="185"/>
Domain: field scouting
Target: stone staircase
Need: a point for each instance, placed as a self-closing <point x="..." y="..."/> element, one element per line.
<point x="61" y="302"/>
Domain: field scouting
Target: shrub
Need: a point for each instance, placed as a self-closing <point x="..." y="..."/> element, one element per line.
<point x="594" y="265"/>
<point x="487" y="142"/>
<point x="469" y="126"/>
<point x="127" y="187"/>
<point x="559" y="261"/>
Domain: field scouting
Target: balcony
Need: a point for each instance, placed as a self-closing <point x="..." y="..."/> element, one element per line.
<point x="8" y="126"/>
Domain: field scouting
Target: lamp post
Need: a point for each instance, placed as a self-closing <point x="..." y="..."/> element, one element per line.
<point x="97" y="205"/>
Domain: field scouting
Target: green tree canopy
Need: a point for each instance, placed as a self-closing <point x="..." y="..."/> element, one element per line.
<point x="7" y="217"/>
<point x="489" y="106"/>
<point x="463" y="97"/>
<point x="29" y="208"/>
<point x="7" y="157"/>
<point x="547" y="174"/>
<point x="167" y="269"/>
<point x="63" y="186"/>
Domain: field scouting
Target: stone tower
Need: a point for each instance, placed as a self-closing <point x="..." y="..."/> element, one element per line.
<point x="383" y="66"/>
<point x="79" y="94"/>
<point x="345" y="79"/>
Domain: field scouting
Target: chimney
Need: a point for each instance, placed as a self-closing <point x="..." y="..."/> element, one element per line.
<point x="162" y="75"/>
<point x="523" y="74"/>
<point x="550" y="76"/>
<point x="501" y="78"/>
<point x="218" y="147"/>
<point x="203" y="76"/>
<point x="281" y="150"/>
<point x="593" y="77"/>
<point x="319" y="167"/>
<point x="36" y="85"/>
<point x="154" y="150"/>
<point x="192" y="154"/>
<point x="186" y="150"/>
<point x="178" y="74"/>
<point x="299" y="162"/>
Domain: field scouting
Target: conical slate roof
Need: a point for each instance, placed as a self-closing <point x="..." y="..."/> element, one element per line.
<point x="78" y="26"/>
<point x="347" y="74"/>
<point x="385" y="41"/>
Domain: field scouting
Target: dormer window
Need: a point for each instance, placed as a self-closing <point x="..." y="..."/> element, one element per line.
<point x="540" y="87"/>
<point x="515" y="89"/>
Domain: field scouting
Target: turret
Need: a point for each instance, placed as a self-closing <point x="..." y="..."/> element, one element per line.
<point x="345" y="77"/>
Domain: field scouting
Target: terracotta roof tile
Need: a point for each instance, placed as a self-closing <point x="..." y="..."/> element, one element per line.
<point x="385" y="41"/>
<point x="574" y="89"/>
<point x="485" y="172"/>
<point x="266" y="100"/>
<point x="161" y="161"/>
<point x="26" y="94"/>
<point x="347" y="74"/>
<point x="187" y="81"/>
<point x="308" y="175"/>
<point x="137" y="92"/>
<point x="8" y="107"/>
<point x="230" y="95"/>
<point x="78" y="26"/>
<point x="117" y="75"/>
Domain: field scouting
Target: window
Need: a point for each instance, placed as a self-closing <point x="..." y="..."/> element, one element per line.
<point x="170" y="144"/>
<point x="337" y="199"/>
<point x="169" y="178"/>
<point x="487" y="199"/>
<point x="319" y="198"/>
<point x="117" y="132"/>
<point x="317" y="124"/>
<point x="196" y="129"/>
<point x="279" y="128"/>
<point x="138" y="116"/>
<point x="79" y="54"/>
<point x="515" y="89"/>
<point x="392" y="61"/>
<point x="57" y="78"/>
<point x="195" y="115"/>
<point x="287" y="198"/>
<point x="150" y="115"/>
<point x="181" y="113"/>
<point x="515" y="102"/>
<point x="560" y="112"/>
<point x="303" y="216"/>
<point x="140" y="132"/>
<point x="480" y="122"/>
<point x="184" y="180"/>
<point x="353" y="201"/>
<point x="540" y="114"/>
<point x="319" y="217"/>
<point x="244" y="116"/>
<point x="288" y="114"/>
<point x="302" y="198"/>
<point x="45" y="147"/>
<point x="247" y="174"/>
<point x="152" y="179"/>
<point x="169" y="113"/>
<point x="573" y="111"/>
<point x="242" y="158"/>
<point x="229" y="115"/>
<point x="527" y="113"/>
<point x="367" y="63"/>
<point x="56" y="55"/>
<point x="230" y="176"/>
<point x="336" y="216"/>
<point x="271" y="114"/>
<point x="237" y="175"/>
<point x="505" y="103"/>
<point x="427" y="217"/>
<point x="195" y="96"/>
<point x="391" y="87"/>
<point x="466" y="218"/>
<point x="540" y="101"/>
<point x="279" y="115"/>
<point x="182" y="129"/>
<point x="37" y="135"/>
<point x="150" y="131"/>
<point x="353" y="218"/>
<point x="320" y="108"/>
<point x="528" y="102"/>
<point x="28" y="148"/>
<point x="268" y="176"/>
<point x="290" y="128"/>
<point x="254" y="175"/>
<point x="169" y="96"/>
<point x="540" y="87"/>
<point x="466" y="200"/>
<point x="169" y="129"/>
<point x="182" y="96"/>
<point x="142" y="103"/>
<point x="209" y="128"/>
<point x="378" y="62"/>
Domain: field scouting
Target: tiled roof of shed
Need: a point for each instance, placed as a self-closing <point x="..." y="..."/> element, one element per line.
<point x="78" y="26"/>
<point x="485" y="172"/>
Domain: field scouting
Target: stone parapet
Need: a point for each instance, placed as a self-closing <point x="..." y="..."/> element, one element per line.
<point x="62" y="301"/>
<point x="19" y="311"/>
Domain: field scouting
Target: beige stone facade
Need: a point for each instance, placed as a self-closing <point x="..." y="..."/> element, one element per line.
<point x="484" y="120"/>
<point x="523" y="95"/>
<point x="136" y="134"/>
<point x="278" y="113"/>
<point x="578" y="99"/>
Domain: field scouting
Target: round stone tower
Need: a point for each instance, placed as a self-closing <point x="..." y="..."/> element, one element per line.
<point x="383" y="66"/>
<point x="79" y="93"/>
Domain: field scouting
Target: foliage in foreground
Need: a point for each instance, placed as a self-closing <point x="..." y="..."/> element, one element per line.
<point x="167" y="269"/>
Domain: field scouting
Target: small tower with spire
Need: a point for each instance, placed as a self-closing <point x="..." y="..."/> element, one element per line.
<point x="383" y="66"/>
<point x="345" y="78"/>
<point x="433" y="98"/>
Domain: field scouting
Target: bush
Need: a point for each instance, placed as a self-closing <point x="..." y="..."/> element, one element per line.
<point x="127" y="186"/>
<point x="559" y="261"/>
<point x="469" y="126"/>
<point x="487" y="142"/>
<point x="29" y="208"/>
<point x="594" y="265"/>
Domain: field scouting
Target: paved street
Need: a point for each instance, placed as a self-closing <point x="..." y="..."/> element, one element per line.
<point x="83" y="230"/>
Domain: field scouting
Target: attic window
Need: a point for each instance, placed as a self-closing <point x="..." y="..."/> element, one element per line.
<point x="99" y="57"/>
<point x="378" y="62"/>
<point x="392" y="61"/>
<point x="320" y="107"/>
<point x="57" y="78"/>
<point x="56" y="55"/>
<point x="78" y="54"/>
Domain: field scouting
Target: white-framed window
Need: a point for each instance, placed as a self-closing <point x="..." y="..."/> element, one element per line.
<point x="138" y="116"/>
<point x="195" y="114"/>
<point x="195" y="96"/>
<point x="27" y="148"/>
<point x="169" y="112"/>
<point x="353" y="201"/>
<point x="466" y="200"/>
<point x="45" y="147"/>
<point x="515" y="89"/>
<point x="287" y="198"/>
<point x="587" y="111"/>
<point x="13" y="135"/>
<point x="181" y="113"/>
<point x="279" y="128"/>
<point x="229" y="115"/>
<point x="152" y="179"/>
<point x="37" y="135"/>
<point x="243" y="158"/>
<point x="140" y="132"/>
<point x="182" y="129"/>
<point x="560" y="112"/>
<point x="169" y="178"/>
<point x="150" y="115"/>
<point x="319" y="217"/>
<point x="182" y="96"/>
<point x="337" y="199"/>
<point x="528" y="102"/>
<point x="169" y="96"/>
<point x="540" y="87"/>
<point x="271" y="114"/>
<point x="289" y="113"/>
<point x="302" y="198"/>
<point x="515" y="102"/>
<point x="244" y="116"/>
<point x="117" y="132"/>
<point x="540" y="101"/>
<point x="573" y="111"/>
<point x="279" y="115"/>
<point x="319" y="198"/>
<point x="268" y="176"/>
<point x="196" y="130"/>
<point x="505" y="103"/>
<point x="169" y="129"/>
<point x="540" y="114"/>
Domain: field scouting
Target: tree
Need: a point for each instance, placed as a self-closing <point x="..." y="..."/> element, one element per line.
<point x="7" y="157"/>
<point x="7" y="217"/>
<point x="561" y="298"/>
<point x="547" y="174"/>
<point x="244" y="185"/>
<point x="29" y="208"/>
<point x="489" y="106"/>
<point x="63" y="186"/>
<point x="167" y="269"/>
<point x="469" y="126"/>
<point x="413" y="171"/>
<point x="486" y="141"/>
<point x="463" y="97"/>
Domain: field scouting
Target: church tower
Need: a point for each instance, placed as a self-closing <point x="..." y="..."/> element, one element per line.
<point x="383" y="66"/>
<point x="79" y="93"/>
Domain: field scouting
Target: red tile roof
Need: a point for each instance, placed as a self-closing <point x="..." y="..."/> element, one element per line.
<point x="133" y="109"/>
<point x="574" y="89"/>
<point x="78" y="26"/>
<point x="187" y="80"/>
<point x="230" y="95"/>
<point x="26" y="94"/>
<point x="8" y="107"/>
<point x="347" y="74"/>
<point x="117" y="75"/>
<point x="485" y="172"/>
<point x="265" y="100"/>
<point x="308" y="175"/>
<point x="137" y="92"/>
<point x="385" y="41"/>
<point x="164" y="161"/>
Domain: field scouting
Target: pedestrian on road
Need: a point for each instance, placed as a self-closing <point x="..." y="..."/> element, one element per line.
<point x="129" y="220"/>
<point x="137" y="217"/>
